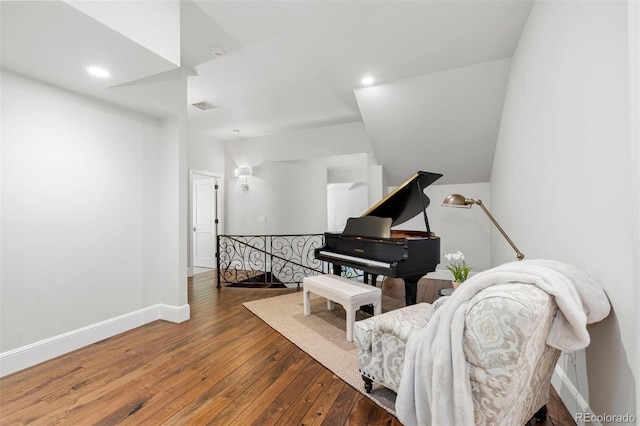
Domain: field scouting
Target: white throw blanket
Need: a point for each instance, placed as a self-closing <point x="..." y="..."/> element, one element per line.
<point x="435" y="387"/>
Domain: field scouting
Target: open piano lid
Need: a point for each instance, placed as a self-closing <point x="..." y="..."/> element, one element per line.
<point x="404" y="203"/>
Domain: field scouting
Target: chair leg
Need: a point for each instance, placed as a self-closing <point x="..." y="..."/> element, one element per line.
<point x="541" y="414"/>
<point x="368" y="383"/>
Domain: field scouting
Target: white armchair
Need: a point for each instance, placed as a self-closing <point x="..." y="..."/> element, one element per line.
<point x="509" y="364"/>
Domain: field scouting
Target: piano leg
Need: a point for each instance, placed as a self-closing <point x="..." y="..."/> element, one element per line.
<point x="337" y="269"/>
<point x="374" y="279"/>
<point x="411" y="290"/>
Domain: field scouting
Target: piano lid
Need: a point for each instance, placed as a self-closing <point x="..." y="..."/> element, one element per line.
<point x="404" y="203"/>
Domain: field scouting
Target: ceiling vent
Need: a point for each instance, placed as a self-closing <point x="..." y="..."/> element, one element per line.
<point x="204" y="105"/>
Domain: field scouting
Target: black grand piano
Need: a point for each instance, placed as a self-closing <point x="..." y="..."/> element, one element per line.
<point x="368" y="243"/>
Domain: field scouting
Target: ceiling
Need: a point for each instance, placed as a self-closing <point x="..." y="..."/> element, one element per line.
<point x="440" y="70"/>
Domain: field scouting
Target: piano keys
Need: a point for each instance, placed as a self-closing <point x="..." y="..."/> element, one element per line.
<point x="368" y="243"/>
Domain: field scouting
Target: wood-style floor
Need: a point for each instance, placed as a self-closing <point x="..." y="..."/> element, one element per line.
<point x="224" y="367"/>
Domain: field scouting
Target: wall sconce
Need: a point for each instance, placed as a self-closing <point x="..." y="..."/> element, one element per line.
<point x="457" y="200"/>
<point x="243" y="171"/>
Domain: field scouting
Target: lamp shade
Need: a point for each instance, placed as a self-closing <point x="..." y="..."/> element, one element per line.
<point x="243" y="171"/>
<point x="456" y="200"/>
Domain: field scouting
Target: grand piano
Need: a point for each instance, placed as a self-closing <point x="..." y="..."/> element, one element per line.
<point x="369" y="244"/>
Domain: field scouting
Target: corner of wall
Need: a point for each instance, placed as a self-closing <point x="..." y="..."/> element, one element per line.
<point x="176" y="314"/>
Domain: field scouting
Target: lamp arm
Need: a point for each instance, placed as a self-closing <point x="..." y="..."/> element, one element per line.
<point x="519" y="254"/>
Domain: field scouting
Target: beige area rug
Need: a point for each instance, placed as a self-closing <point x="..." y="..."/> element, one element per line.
<point x="323" y="336"/>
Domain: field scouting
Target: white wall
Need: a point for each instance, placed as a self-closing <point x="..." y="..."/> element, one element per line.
<point x="344" y="201"/>
<point x="290" y="197"/>
<point x="377" y="184"/>
<point x="170" y="265"/>
<point x="350" y="189"/>
<point x="87" y="190"/>
<point x="206" y="153"/>
<point x="561" y="180"/>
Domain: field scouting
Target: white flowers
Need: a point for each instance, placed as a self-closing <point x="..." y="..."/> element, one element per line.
<point x="458" y="267"/>
<point x="454" y="256"/>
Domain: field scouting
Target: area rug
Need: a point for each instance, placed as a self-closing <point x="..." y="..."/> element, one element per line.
<point x="323" y="336"/>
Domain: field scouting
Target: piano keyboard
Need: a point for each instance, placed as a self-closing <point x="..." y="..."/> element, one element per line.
<point x="359" y="260"/>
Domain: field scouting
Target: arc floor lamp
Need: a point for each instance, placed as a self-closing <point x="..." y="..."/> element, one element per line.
<point x="457" y="200"/>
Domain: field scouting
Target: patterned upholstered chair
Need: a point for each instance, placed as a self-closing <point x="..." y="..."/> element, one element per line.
<point x="510" y="365"/>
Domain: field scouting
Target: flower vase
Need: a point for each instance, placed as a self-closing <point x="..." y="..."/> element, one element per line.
<point x="455" y="284"/>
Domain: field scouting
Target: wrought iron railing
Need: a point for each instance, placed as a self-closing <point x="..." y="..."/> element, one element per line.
<point x="267" y="260"/>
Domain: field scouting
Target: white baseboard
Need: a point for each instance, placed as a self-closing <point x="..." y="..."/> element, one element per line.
<point x="189" y="271"/>
<point x="44" y="350"/>
<point x="571" y="397"/>
<point x="175" y="314"/>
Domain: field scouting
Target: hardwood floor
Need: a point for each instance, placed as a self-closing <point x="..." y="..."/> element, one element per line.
<point x="223" y="366"/>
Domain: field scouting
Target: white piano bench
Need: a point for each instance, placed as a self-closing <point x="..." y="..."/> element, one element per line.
<point x="348" y="293"/>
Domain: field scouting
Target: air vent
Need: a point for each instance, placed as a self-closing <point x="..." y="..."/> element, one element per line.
<point x="204" y="105"/>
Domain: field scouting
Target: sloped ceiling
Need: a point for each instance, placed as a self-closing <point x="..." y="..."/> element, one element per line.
<point x="443" y="122"/>
<point x="296" y="65"/>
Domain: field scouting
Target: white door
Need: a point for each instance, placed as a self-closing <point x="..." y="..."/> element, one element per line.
<point x="204" y="221"/>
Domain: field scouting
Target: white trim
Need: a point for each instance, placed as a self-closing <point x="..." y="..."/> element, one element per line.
<point x="189" y="271"/>
<point x="44" y="350"/>
<point x="570" y="396"/>
<point x="175" y="314"/>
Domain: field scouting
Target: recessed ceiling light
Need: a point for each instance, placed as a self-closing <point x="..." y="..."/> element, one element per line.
<point x="367" y="80"/>
<point x="98" y="72"/>
<point x="236" y="130"/>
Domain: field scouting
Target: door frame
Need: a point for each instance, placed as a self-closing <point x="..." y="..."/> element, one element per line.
<point x="219" y="211"/>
